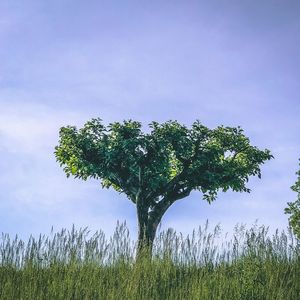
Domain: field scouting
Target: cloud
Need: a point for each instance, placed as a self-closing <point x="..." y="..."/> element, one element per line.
<point x="31" y="128"/>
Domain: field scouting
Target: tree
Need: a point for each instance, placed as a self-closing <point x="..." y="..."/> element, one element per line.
<point x="293" y="208"/>
<point x="156" y="169"/>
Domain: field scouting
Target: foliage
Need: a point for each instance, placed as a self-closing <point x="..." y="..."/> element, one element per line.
<point x="77" y="265"/>
<point x="293" y="208"/>
<point x="171" y="159"/>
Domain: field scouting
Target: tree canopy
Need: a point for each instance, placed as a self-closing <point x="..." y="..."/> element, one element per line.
<point x="169" y="159"/>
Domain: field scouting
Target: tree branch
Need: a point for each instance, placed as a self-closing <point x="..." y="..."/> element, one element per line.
<point x="117" y="180"/>
<point x="161" y="207"/>
<point x="170" y="186"/>
<point x="237" y="152"/>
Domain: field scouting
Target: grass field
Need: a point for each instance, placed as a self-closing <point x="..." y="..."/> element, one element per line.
<point x="78" y="265"/>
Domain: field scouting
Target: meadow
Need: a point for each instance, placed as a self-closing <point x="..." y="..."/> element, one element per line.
<point x="76" y="264"/>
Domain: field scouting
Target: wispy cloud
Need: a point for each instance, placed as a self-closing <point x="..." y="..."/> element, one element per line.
<point x="31" y="128"/>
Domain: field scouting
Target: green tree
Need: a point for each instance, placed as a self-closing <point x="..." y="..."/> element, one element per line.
<point x="293" y="208"/>
<point x="157" y="168"/>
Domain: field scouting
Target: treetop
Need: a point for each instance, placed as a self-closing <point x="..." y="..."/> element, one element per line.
<point x="170" y="160"/>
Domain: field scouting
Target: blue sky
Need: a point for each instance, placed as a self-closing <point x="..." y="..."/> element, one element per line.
<point x="222" y="62"/>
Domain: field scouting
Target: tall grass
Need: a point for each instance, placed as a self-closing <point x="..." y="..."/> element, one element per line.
<point x="75" y="264"/>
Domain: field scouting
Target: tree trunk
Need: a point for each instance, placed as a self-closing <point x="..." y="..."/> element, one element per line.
<point x="147" y="224"/>
<point x="146" y="237"/>
<point x="146" y="233"/>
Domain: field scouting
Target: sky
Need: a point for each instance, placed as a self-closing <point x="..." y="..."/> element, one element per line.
<point x="63" y="62"/>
